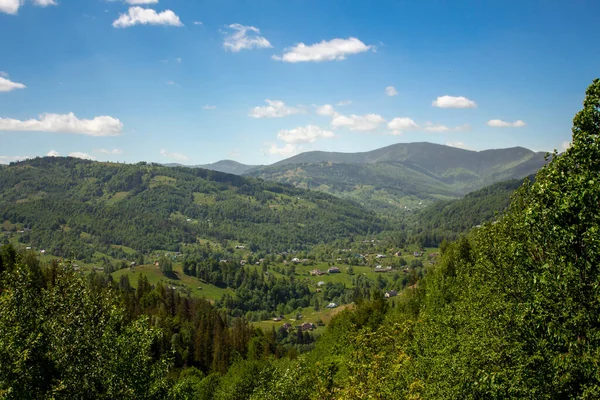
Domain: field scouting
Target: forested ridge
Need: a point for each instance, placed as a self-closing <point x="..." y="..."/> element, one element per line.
<point x="510" y="310"/>
<point x="72" y="207"/>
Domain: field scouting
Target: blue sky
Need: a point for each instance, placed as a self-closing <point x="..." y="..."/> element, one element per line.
<point x="257" y="81"/>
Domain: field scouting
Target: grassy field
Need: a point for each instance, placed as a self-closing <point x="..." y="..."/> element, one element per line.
<point x="308" y="315"/>
<point x="196" y="287"/>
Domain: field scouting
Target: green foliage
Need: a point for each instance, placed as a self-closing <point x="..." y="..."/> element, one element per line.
<point x="65" y="340"/>
<point x="76" y="207"/>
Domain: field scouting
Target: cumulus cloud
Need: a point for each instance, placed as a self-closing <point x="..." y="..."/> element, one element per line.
<point x="391" y="91"/>
<point x="355" y="122"/>
<point x="197" y="23"/>
<point x="274" y="109"/>
<point x="7" y="85"/>
<point x="454" y="102"/>
<point x="2" y="73"/>
<point x="44" y="3"/>
<point x="498" y="123"/>
<point x="146" y="16"/>
<point x="431" y="127"/>
<point x="10" y="6"/>
<point x="326" y="110"/>
<point x="78" y="154"/>
<point x="138" y="2"/>
<point x="399" y="125"/>
<point x="53" y="153"/>
<point x="111" y="152"/>
<point x="9" y="159"/>
<point x="209" y="107"/>
<point x="174" y="156"/>
<point x="304" y="134"/>
<point x="244" y="37"/>
<point x="344" y="103"/>
<point x="332" y="50"/>
<point x="459" y="145"/>
<point x="66" y="123"/>
<point x="286" y="150"/>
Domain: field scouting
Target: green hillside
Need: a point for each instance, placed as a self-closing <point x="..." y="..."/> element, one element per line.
<point x="74" y="207"/>
<point x="403" y="176"/>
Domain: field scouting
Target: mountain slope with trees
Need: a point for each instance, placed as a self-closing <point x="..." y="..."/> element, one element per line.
<point x="73" y="207"/>
<point x="401" y="176"/>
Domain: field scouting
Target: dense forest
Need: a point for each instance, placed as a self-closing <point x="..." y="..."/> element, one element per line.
<point x="510" y="310"/>
<point x="72" y="207"/>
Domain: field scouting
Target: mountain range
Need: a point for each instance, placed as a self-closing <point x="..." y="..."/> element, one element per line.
<point x="399" y="177"/>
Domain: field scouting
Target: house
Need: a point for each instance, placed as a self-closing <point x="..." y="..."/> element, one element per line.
<point x="321" y="283"/>
<point x="28" y="248"/>
<point x="317" y="272"/>
<point x="307" y="326"/>
<point x="132" y="264"/>
<point x="331" y="305"/>
<point x="243" y="262"/>
<point x="240" y="247"/>
<point x="379" y="268"/>
<point x="417" y="254"/>
<point x="296" y="260"/>
<point x="43" y="251"/>
<point x="287" y="326"/>
<point x="223" y="261"/>
<point x="391" y="293"/>
<point x="334" y="270"/>
<point x="277" y="319"/>
<point x="378" y="256"/>
<point x="398" y="253"/>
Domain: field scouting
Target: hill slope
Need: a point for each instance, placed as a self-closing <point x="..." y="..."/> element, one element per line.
<point x="402" y="175"/>
<point x="77" y="207"/>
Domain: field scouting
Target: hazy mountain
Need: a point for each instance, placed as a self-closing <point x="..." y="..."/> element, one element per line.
<point x="227" y="166"/>
<point x="404" y="175"/>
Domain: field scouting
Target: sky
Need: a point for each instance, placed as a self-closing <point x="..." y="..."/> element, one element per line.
<point x="257" y="81"/>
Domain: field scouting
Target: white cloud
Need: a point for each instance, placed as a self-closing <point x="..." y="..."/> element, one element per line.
<point x="344" y="103"/>
<point x="275" y="109"/>
<point x="175" y="156"/>
<point x="244" y="37"/>
<point x="286" y="150"/>
<point x="333" y="50"/>
<point x="431" y="127"/>
<point x="498" y="123"/>
<point x="209" y="107"/>
<point x="398" y="125"/>
<point x="78" y="154"/>
<point x="7" y="85"/>
<point x="67" y="123"/>
<point x="44" y="3"/>
<point x="2" y="73"/>
<point x="355" y="122"/>
<point x="304" y="134"/>
<point x="138" y="2"/>
<point x="178" y="60"/>
<point x="459" y="145"/>
<point x="10" y="6"/>
<point x="53" y="153"/>
<point x="197" y="23"/>
<point x="326" y="110"/>
<point x="146" y="16"/>
<point x="391" y="91"/>
<point x="9" y="159"/>
<point x="453" y="102"/>
<point x="171" y="83"/>
<point x="565" y="145"/>
<point x="112" y="152"/>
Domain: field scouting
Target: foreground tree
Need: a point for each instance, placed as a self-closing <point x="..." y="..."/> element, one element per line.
<point x="64" y="340"/>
